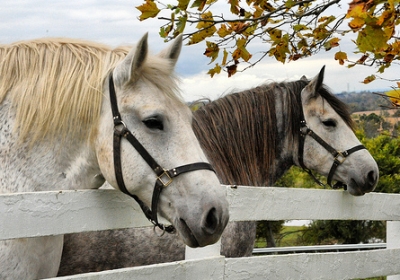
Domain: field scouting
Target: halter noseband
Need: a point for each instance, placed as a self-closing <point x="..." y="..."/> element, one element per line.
<point x="338" y="157"/>
<point x="164" y="177"/>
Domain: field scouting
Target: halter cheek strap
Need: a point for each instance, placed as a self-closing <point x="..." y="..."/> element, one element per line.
<point x="338" y="157"/>
<point x="164" y="177"/>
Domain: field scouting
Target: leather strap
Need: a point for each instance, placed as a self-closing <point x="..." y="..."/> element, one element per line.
<point x="339" y="157"/>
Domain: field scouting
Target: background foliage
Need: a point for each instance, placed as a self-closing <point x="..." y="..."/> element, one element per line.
<point x="288" y="30"/>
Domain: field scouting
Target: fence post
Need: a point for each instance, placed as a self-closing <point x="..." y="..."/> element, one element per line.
<point x="393" y="240"/>
<point x="213" y="250"/>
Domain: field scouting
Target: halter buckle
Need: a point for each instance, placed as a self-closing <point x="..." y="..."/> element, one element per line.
<point x="119" y="125"/>
<point x="164" y="178"/>
<point x="340" y="157"/>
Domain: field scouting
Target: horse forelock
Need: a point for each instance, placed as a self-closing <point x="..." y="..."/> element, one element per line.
<point x="56" y="85"/>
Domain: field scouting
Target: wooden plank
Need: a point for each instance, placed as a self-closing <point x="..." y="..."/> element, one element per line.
<point x="208" y="268"/>
<point x="51" y="213"/>
<point x="41" y="213"/>
<point x="250" y="203"/>
<point x="348" y="265"/>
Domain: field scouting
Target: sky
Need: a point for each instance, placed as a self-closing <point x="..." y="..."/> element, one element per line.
<point x="116" y="23"/>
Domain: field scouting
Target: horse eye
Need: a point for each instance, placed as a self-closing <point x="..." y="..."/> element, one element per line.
<point x="154" y="123"/>
<point x="329" y="123"/>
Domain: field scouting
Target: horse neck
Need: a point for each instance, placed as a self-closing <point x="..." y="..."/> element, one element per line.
<point x="47" y="165"/>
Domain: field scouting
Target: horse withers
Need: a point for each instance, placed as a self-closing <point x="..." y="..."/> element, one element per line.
<point x="252" y="138"/>
<point x="74" y="114"/>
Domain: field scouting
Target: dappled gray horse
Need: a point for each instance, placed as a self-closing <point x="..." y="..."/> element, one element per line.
<point x="251" y="138"/>
<point x="63" y="101"/>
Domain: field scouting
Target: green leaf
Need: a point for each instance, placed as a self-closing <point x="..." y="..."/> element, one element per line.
<point x="183" y="4"/>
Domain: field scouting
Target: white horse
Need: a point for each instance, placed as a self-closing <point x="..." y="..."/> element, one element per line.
<point x="61" y="102"/>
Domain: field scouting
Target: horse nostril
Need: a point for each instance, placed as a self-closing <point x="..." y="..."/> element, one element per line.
<point x="210" y="222"/>
<point x="372" y="178"/>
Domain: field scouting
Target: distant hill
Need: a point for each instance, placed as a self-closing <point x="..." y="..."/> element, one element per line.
<point x="364" y="101"/>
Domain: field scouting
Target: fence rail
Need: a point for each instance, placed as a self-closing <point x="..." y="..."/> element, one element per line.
<point x="319" y="248"/>
<point x="52" y="213"/>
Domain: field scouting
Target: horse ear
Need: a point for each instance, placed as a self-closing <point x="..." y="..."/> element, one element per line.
<point x="139" y="56"/>
<point x="129" y="68"/>
<point x="173" y="51"/>
<point x="311" y="90"/>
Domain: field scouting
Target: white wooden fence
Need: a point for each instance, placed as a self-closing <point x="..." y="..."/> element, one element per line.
<point x="49" y="213"/>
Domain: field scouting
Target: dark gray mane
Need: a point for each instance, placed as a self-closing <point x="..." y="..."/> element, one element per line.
<point x="252" y="120"/>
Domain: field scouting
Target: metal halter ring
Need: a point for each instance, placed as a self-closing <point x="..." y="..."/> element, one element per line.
<point x="155" y="231"/>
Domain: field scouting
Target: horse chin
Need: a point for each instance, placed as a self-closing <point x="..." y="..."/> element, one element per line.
<point x="186" y="234"/>
<point x="354" y="189"/>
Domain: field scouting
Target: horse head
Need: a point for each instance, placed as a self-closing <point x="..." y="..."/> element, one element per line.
<point x="150" y="111"/>
<point x="330" y="146"/>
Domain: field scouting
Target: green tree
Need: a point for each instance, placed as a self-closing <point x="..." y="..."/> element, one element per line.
<point x="289" y="30"/>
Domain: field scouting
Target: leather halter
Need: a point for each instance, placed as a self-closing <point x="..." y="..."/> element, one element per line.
<point x="164" y="177"/>
<point x="338" y="157"/>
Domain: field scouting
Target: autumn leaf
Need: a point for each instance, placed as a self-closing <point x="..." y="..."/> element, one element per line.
<point x="394" y="96"/>
<point x="362" y="59"/>
<point x="369" y="79"/>
<point x="334" y="42"/>
<point x="215" y="70"/>
<point x="212" y="50"/>
<point x="206" y="29"/>
<point x="234" y="6"/>
<point x="199" y="4"/>
<point x="341" y="56"/>
<point x="223" y="31"/>
<point x="300" y="27"/>
<point x="183" y="4"/>
<point x="371" y="39"/>
<point x="180" y="25"/>
<point x="356" y="23"/>
<point x="148" y="9"/>
<point x="241" y="51"/>
<point x="231" y="69"/>
<point x="275" y="34"/>
<point x="225" y="57"/>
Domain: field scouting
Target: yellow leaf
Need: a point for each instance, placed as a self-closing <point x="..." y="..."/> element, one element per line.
<point x="334" y="42"/>
<point x="206" y="29"/>
<point x="369" y="79"/>
<point x="356" y="23"/>
<point x="241" y="51"/>
<point x="183" y="4"/>
<point x="258" y="12"/>
<point x="148" y="9"/>
<point x="234" y="6"/>
<point x="275" y="34"/>
<point x="341" y="56"/>
<point x="394" y="96"/>
<point x="212" y="50"/>
<point x="223" y="31"/>
<point x="201" y="35"/>
<point x="224" y="58"/>
<point x="215" y="70"/>
<point x="199" y="4"/>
